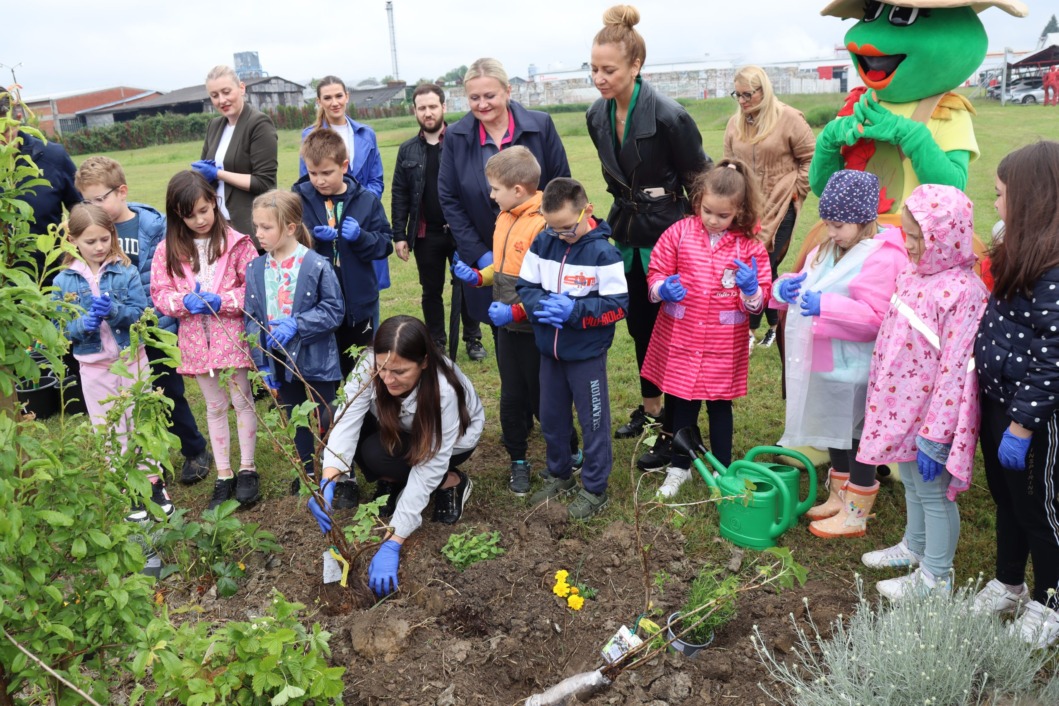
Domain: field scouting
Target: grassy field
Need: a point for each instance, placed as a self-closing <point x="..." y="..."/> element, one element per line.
<point x="758" y="417"/>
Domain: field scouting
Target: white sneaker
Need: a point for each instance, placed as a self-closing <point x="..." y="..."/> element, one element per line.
<point x="752" y="341"/>
<point x="998" y="598"/>
<point x="1038" y="625"/>
<point x="675" y="477"/>
<point x="917" y="583"/>
<point x="898" y="556"/>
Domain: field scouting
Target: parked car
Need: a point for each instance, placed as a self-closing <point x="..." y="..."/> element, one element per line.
<point x="1027" y="90"/>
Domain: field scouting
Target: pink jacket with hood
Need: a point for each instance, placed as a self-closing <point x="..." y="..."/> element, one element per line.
<point x="922" y="379"/>
<point x="208" y="343"/>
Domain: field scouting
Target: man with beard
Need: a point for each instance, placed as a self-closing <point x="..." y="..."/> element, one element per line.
<point x="418" y="223"/>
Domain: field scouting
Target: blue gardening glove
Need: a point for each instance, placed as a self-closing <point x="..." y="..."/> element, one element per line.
<point x="485" y="260"/>
<point x="672" y="290"/>
<point x="213" y="301"/>
<point x="558" y="308"/>
<point x="270" y="382"/>
<point x="102" y="306"/>
<point x="281" y="331"/>
<point x="1012" y="451"/>
<point x="194" y="302"/>
<point x="382" y="573"/>
<point x="327" y="489"/>
<point x="350" y="229"/>
<point x="501" y="314"/>
<point x="746" y="276"/>
<point x="90" y="322"/>
<point x="811" y="303"/>
<point x="325" y="234"/>
<point x="207" y="168"/>
<point x="464" y="272"/>
<point x="928" y="467"/>
<point x="791" y="287"/>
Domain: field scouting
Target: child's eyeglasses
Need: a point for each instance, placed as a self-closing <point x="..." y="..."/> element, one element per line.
<point x="744" y="96"/>
<point x="100" y="199"/>
<point x="573" y="231"/>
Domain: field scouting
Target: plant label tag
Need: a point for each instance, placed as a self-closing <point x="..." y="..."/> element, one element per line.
<point x="332" y="569"/>
<point x="616" y="647"/>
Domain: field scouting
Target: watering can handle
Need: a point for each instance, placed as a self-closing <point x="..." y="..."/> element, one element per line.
<point x="787" y="516"/>
<point x="810" y="468"/>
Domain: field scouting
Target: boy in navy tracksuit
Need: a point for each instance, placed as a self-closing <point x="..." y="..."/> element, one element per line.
<point x="101" y="181"/>
<point x="350" y="228"/>
<point x="572" y="285"/>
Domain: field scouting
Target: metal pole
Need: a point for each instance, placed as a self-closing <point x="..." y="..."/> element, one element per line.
<point x="1004" y="78"/>
<point x="393" y="40"/>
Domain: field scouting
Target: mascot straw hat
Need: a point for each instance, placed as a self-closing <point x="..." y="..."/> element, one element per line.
<point x="854" y="9"/>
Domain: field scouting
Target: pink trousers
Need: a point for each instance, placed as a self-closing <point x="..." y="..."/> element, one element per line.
<point x="217" y="399"/>
<point x="98" y="383"/>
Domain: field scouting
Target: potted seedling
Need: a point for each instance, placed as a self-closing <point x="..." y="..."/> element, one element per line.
<point x="708" y="608"/>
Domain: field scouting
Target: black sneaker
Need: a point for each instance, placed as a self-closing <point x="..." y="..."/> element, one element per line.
<point x="449" y="502"/>
<point x="247" y="487"/>
<point x="391" y="491"/>
<point x="637" y="421"/>
<point x="196" y="468"/>
<point x="223" y="489"/>
<point x="160" y="497"/>
<point x="347" y="495"/>
<point x="519" y="484"/>
<point x="769" y="339"/>
<point x="475" y="350"/>
<point x="658" y="456"/>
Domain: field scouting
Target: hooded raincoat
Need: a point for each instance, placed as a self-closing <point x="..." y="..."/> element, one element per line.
<point x="922" y="380"/>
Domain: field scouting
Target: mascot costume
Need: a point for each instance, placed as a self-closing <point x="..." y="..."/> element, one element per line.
<point x="1051" y="86"/>
<point x="905" y="125"/>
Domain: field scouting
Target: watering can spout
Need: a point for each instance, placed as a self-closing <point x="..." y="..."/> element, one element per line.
<point x="688" y="442"/>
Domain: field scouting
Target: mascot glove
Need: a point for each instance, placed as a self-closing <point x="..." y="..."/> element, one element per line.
<point x="323" y="514"/>
<point x="672" y="290"/>
<point x="325" y="234"/>
<point x="1012" y="451"/>
<point x="382" y="573"/>
<point x="790" y="287"/>
<point x="811" y="303"/>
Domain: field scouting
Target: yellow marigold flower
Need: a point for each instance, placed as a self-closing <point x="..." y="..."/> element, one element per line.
<point x="561" y="589"/>
<point x="560" y="575"/>
<point x="242" y="566"/>
<point x="575" y="602"/>
<point x="574" y="590"/>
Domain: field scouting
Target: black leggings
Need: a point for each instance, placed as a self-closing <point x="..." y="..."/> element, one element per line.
<point x="641" y="320"/>
<point x="845" y="461"/>
<point x="377" y="462"/>
<point x="680" y="413"/>
<point x="780" y="244"/>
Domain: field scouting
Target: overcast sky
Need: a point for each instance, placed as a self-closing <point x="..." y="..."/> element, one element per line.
<point x="68" y="46"/>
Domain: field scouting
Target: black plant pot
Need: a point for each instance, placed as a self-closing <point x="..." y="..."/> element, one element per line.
<point x="43" y="399"/>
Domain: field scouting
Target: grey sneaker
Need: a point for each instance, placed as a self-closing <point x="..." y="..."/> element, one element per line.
<point x="553" y="488"/>
<point x="587" y="504"/>
<point x="519" y="484"/>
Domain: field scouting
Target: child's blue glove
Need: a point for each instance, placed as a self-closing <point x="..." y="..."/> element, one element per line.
<point x="266" y="376"/>
<point x="501" y="314"/>
<point x="90" y="322"/>
<point x="672" y="290"/>
<point x="325" y="234"/>
<point x="464" y="272"/>
<point x="791" y="287"/>
<point x="350" y="229"/>
<point x="811" y="303"/>
<point x="102" y="306"/>
<point x="485" y="260"/>
<point x="382" y="573"/>
<point x="746" y="276"/>
<point x="556" y="309"/>
<point x="322" y="514"/>
<point x="195" y="302"/>
<point x="207" y="168"/>
<point x="281" y="331"/>
<point x="928" y="467"/>
<point x="213" y="301"/>
<point x="1013" y="450"/>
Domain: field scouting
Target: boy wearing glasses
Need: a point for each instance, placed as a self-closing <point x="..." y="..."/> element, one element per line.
<point x="573" y="289"/>
<point x="513" y="175"/>
<point x="101" y="181"/>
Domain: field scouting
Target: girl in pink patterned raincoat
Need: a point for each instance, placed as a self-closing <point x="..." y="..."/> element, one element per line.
<point x="922" y="408"/>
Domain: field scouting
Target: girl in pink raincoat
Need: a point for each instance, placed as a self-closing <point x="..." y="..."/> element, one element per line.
<point x="922" y="409"/>
<point x="198" y="276"/>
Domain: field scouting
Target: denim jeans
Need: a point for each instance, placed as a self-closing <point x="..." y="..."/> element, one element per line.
<point x="933" y="525"/>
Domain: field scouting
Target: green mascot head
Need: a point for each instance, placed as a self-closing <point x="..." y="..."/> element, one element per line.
<point x="906" y="50"/>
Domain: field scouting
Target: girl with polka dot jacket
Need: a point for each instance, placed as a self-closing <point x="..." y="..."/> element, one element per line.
<point x="1017" y="355"/>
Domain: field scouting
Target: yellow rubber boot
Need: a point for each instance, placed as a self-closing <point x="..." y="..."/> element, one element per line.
<point x="833" y="505"/>
<point x="852" y="519"/>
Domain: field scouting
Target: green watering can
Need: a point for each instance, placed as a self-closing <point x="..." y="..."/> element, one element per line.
<point x="756" y="521"/>
<point x="789" y="474"/>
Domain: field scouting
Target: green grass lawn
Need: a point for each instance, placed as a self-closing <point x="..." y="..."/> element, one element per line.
<point x="758" y="417"/>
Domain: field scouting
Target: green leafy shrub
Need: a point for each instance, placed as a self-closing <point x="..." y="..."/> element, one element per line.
<point x="213" y="550"/>
<point x="820" y="115"/>
<point x="931" y="649"/>
<point x="465" y="548"/>
<point x="710" y="605"/>
<point x="273" y="660"/>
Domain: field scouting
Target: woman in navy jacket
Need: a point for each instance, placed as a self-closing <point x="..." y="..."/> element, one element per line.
<point x="493" y="123"/>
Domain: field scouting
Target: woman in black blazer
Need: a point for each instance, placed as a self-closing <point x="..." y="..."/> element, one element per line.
<point x="247" y="165"/>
